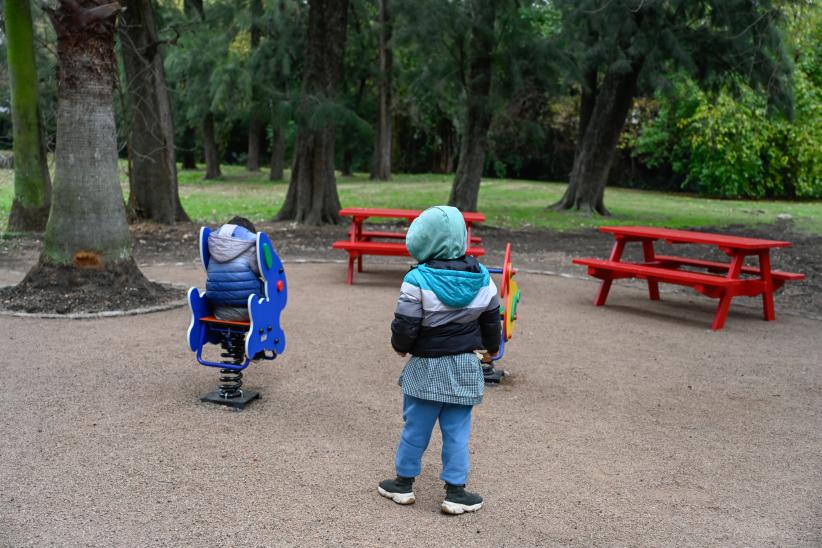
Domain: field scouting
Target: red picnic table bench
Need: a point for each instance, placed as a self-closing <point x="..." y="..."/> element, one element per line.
<point x="760" y="280"/>
<point x="361" y="242"/>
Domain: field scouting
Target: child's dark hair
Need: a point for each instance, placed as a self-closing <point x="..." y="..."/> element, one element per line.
<point x="243" y="222"/>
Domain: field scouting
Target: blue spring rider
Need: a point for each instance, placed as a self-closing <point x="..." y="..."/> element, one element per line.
<point x="260" y="338"/>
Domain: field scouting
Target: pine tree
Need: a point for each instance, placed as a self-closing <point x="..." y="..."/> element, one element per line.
<point x="621" y="46"/>
<point x="312" y="193"/>
<point x="153" y="193"/>
<point x="87" y="241"/>
<point x="255" y="123"/>
<point x="191" y="65"/>
<point x="469" y="58"/>
<point x="381" y="164"/>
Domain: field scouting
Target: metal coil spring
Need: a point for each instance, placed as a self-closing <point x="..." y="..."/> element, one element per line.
<point x="233" y="344"/>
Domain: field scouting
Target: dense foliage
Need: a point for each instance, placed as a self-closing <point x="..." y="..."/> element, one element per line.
<point x="697" y="124"/>
<point x="730" y="143"/>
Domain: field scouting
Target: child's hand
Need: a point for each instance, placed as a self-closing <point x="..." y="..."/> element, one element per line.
<point x="486" y="357"/>
<point x="402" y="354"/>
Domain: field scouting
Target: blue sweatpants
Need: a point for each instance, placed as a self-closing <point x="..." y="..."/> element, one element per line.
<point x="455" y="423"/>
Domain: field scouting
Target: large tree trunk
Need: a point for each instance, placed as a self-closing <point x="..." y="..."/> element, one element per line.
<point x="586" y="188"/>
<point x="381" y="165"/>
<point x="87" y="226"/>
<point x="277" y="153"/>
<point x="153" y="193"/>
<point x="312" y="194"/>
<point x="465" y="189"/>
<point x="210" y="150"/>
<point x="32" y="185"/>
<point x="587" y="102"/>
<point x="255" y="125"/>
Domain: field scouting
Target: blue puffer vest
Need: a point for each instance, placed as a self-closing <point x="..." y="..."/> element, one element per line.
<point x="232" y="273"/>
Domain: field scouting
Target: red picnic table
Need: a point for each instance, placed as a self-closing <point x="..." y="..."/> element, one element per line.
<point x="361" y="242"/>
<point x="760" y="280"/>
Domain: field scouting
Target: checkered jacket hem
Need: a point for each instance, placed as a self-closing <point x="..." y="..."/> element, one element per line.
<point x="448" y="379"/>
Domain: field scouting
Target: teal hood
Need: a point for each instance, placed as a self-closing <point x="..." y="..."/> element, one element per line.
<point x="454" y="288"/>
<point x="438" y="233"/>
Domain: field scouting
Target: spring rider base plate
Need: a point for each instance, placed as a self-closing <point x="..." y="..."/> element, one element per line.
<point x="237" y="403"/>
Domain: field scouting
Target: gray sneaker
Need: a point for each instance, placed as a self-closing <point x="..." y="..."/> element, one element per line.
<point x="400" y="490"/>
<point x="458" y="500"/>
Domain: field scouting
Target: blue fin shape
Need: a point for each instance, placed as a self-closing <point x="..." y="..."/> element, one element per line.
<point x="205" y="256"/>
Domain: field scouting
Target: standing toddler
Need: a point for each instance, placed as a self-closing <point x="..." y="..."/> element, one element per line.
<point x="448" y="308"/>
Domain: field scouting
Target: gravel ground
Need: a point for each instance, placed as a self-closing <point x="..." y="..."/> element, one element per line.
<point x="631" y="424"/>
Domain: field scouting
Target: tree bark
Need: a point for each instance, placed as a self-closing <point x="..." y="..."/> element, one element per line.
<point x="210" y="150"/>
<point x="587" y="102"/>
<point x="32" y="184"/>
<point x="312" y="193"/>
<point x="277" y="153"/>
<point x="153" y="183"/>
<point x="87" y="227"/>
<point x="381" y="165"/>
<point x="255" y="125"/>
<point x="586" y="188"/>
<point x="465" y="189"/>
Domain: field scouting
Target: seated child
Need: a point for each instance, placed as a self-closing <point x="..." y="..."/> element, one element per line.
<point x="448" y="307"/>
<point x="233" y="273"/>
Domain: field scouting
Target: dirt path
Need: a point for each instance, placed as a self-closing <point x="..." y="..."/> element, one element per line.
<point x="631" y="424"/>
<point x="533" y="249"/>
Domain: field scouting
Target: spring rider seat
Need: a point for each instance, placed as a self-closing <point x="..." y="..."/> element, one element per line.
<point x="260" y="338"/>
<point x="509" y="296"/>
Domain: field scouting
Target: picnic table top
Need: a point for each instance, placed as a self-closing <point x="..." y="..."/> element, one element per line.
<point x="364" y="212"/>
<point x="693" y="237"/>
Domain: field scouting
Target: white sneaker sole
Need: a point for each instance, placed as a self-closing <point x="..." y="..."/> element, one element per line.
<point x="399" y="498"/>
<point x="456" y="508"/>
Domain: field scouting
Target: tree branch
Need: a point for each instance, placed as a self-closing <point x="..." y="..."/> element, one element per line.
<point x="99" y="13"/>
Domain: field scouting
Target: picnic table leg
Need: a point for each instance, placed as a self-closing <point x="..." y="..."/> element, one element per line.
<point x="722" y="310"/>
<point x="356" y="236"/>
<point x="356" y="230"/>
<point x="648" y="252"/>
<point x="767" y="295"/>
<point x="605" y="286"/>
<point x="727" y="295"/>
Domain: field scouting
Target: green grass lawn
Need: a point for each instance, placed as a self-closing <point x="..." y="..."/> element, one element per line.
<point x="506" y="203"/>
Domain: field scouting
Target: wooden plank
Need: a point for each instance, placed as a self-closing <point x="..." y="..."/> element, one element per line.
<point x="723" y="267"/>
<point x="212" y="319"/>
<point x="693" y="237"/>
<point x="365" y="212"/>
<point x="365" y="234"/>
<point x="387" y="248"/>
<point x="658" y="273"/>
